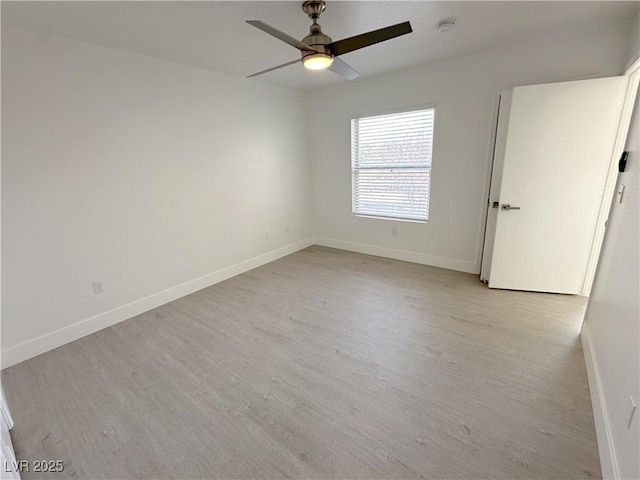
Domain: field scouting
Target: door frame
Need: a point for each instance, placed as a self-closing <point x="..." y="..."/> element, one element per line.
<point x="633" y="73"/>
<point x="4" y="409"/>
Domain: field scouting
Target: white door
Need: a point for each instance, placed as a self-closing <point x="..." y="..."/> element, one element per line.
<point x="558" y="148"/>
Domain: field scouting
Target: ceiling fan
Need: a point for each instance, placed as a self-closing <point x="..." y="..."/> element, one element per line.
<point x="319" y="51"/>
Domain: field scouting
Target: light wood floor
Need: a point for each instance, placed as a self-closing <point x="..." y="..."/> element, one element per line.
<point x="324" y="364"/>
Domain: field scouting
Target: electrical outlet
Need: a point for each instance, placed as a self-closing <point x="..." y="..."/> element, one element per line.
<point x="286" y="229"/>
<point x="394" y="231"/>
<point x="267" y="236"/>
<point x="97" y="288"/>
<point x="628" y="414"/>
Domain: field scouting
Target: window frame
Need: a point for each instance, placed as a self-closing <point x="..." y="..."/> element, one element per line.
<point x="379" y="113"/>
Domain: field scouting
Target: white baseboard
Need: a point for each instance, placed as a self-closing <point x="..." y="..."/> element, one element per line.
<point x="49" y="341"/>
<point x="406" y="255"/>
<point x="57" y="338"/>
<point x="601" y="419"/>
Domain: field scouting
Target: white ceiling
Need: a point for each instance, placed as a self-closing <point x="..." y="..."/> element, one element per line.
<point x="214" y="35"/>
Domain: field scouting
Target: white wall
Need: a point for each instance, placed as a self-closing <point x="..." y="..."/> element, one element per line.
<point x="465" y="91"/>
<point x="138" y="172"/>
<point x="611" y="332"/>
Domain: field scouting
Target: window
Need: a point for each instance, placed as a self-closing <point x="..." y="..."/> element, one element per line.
<point x="391" y="165"/>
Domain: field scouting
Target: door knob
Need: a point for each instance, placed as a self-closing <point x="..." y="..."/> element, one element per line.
<point x="506" y="206"/>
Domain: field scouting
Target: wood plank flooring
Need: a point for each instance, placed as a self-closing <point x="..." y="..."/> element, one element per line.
<point x="323" y="364"/>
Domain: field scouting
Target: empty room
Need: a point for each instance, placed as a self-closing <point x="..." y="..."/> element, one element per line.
<point x="341" y="239"/>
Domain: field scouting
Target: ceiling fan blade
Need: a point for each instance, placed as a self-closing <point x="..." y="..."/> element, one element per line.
<point x="342" y="69"/>
<point x="274" y="68"/>
<point x="350" y="44"/>
<point x="281" y="35"/>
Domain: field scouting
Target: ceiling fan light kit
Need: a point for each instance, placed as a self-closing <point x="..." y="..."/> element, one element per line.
<point x="317" y="61"/>
<point x="318" y="51"/>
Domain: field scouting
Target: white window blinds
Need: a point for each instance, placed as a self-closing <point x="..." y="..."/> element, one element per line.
<point x="391" y="164"/>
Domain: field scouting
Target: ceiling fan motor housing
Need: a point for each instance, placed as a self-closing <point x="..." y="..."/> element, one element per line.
<point x="316" y="40"/>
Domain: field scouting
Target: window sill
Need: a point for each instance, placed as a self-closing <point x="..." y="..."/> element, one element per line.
<point x="393" y="219"/>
